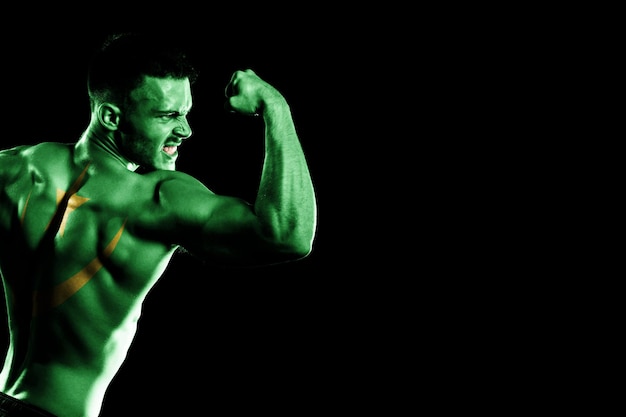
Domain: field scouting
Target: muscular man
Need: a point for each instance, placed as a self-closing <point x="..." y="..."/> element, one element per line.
<point x="85" y="233"/>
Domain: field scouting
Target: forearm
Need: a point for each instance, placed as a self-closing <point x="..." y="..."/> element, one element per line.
<point x="286" y="202"/>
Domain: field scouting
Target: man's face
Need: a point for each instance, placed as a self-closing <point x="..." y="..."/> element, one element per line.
<point x="156" y="123"/>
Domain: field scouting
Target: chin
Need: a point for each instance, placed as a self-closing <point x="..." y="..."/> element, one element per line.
<point x="164" y="164"/>
<point x="168" y="167"/>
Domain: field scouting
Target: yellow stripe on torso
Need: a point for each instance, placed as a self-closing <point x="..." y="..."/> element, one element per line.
<point x="44" y="300"/>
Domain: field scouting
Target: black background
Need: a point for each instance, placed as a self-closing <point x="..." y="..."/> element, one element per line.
<point x="282" y="339"/>
<point x="405" y="118"/>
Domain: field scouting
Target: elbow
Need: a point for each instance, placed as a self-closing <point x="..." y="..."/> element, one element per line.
<point x="293" y="240"/>
<point x="302" y="239"/>
<point x="295" y="245"/>
<point x="302" y="249"/>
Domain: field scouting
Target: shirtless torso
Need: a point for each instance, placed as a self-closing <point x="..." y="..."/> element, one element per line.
<point x="85" y="234"/>
<point x="68" y="229"/>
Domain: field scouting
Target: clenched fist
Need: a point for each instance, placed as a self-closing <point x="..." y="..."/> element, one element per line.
<point x="247" y="93"/>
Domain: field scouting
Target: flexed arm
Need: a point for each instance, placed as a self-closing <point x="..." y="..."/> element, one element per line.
<point x="285" y="204"/>
<point x="278" y="226"/>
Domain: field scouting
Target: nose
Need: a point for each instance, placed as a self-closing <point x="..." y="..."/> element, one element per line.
<point x="183" y="129"/>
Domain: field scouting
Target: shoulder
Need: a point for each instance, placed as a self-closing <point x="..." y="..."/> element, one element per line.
<point x="42" y="151"/>
<point x="15" y="160"/>
<point x="15" y="152"/>
<point x="165" y="201"/>
<point x="176" y="187"/>
<point x="183" y="199"/>
<point x="48" y="151"/>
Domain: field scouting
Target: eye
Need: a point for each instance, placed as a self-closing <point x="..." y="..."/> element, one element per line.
<point x="169" y="116"/>
<point x="176" y="115"/>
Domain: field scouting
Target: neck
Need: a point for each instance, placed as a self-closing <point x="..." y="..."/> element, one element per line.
<point x="101" y="148"/>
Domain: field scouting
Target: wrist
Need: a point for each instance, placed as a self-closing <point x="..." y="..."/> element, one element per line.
<point x="272" y="105"/>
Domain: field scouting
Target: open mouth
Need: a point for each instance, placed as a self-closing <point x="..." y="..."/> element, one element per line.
<point x="170" y="150"/>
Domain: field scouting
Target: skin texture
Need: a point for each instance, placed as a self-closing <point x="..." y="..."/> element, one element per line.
<point x="84" y="235"/>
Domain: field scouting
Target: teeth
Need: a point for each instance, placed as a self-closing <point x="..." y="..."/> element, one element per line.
<point x="170" y="150"/>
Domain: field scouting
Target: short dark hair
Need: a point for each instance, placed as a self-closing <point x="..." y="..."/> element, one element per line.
<point x="119" y="66"/>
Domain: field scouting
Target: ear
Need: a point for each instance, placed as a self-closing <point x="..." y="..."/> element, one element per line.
<point x="109" y="116"/>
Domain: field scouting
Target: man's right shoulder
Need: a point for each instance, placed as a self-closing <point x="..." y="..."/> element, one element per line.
<point x="13" y="160"/>
<point x="32" y="148"/>
<point x="17" y="158"/>
<point x="16" y="150"/>
<point x="46" y="149"/>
